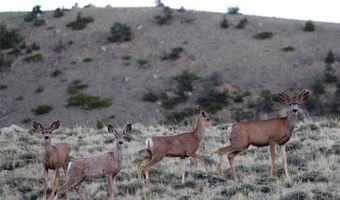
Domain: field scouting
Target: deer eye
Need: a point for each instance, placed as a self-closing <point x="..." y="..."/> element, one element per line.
<point x="117" y="137"/>
<point x="208" y="119"/>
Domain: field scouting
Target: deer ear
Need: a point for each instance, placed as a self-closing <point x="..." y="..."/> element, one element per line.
<point x="127" y="128"/>
<point x="37" y="125"/>
<point x="111" y="129"/>
<point x="197" y="110"/>
<point x="203" y="114"/>
<point x="304" y="95"/>
<point x="283" y="97"/>
<point x="54" y="125"/>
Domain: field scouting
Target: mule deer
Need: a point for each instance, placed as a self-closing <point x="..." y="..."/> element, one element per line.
<point x="270" y="132"/>
<point x="105" y="165"/>
<point x="182" y="145"/>
<point x="55" y="155"/>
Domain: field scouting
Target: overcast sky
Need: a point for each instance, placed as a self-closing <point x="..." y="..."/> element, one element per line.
<point x="316" y="10"/>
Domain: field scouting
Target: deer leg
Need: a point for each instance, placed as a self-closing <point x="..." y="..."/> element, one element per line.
<point x="65" y="172"/>
<point x="46" y="182"/>
<point x="139" y="160"/>
<point x="231" y="157"/>
<point x="153" y="161"/>
<point x="221" y="152"/>
<point x="284" y="159"/>
<point x="78" y="189"/>
<point x="272" y="158"/>
<point x="200" y="158"/>
<point x="110" y="187"/>
<point x="182" y="163"/>
<point x="55" y="181"/>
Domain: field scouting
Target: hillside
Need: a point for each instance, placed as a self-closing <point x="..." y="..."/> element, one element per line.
<point x="124" y="72"/>
<point x="313" y="162"/>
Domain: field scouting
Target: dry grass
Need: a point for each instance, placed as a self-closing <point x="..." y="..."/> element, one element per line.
<point x="313" y="154"/>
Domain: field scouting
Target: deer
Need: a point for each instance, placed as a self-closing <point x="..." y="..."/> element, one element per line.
<point x="56" y="156"/>
<point x="182" y="145"/>
<point x="272" y="132"/>
<point x="106" y="165"/>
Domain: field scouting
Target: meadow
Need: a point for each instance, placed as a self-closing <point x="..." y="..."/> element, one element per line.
<point x="313" y="160"/>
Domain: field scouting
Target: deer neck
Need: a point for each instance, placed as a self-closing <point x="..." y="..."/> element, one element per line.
<point x="199" y="130"/>
<point x="48" y="147"/>
<point x="119" y="153"/>
<point x="291" y="120"/>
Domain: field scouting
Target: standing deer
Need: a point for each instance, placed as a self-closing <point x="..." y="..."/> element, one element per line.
<point x="182" y="145"/>
<point x="55" y="155"/>
<point x="270" y="132"/>
<point x="105" y="165"/>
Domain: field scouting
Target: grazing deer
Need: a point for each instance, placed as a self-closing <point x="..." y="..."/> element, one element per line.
<point x="105" y="165"/>
<point x="182" y="145"/>
<point x="55" y="155"/>
<point x="270" y="132"/>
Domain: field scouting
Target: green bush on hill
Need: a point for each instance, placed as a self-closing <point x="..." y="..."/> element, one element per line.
<point x="80" y="23"/>
<point x="120" y="33"/>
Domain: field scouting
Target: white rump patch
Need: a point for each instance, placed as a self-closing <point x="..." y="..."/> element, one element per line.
<point x="229" y="129"/>
<point x="148" y="143"/>
<point x="68" y="168"/>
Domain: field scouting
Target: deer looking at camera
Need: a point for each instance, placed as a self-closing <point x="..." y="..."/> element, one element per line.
<point x="182" y="146"/>
<point x="270" y="132"/>
<point x="55" y="156"/>
<point x="105" y="165"/>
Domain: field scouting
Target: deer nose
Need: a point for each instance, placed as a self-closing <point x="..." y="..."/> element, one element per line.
<point x="295" y="110"/>
<point x="46" y="137"/>
<point x="120" y="142"/>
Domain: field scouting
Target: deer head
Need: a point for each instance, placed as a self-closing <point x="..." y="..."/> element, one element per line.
<point x="120" y="135"/>
<point x="295" y="102"/>
<point x="46" y="132"/>
<point x="202" y="117"/>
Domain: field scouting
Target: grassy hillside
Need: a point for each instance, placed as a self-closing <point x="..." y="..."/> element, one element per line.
<point x="229" y="64"/>
<point x="313" y="160"/>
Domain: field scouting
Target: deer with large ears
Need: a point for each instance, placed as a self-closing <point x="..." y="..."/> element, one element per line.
<point x="270" y="132"/>
<point x="182" y="146"/>
<point x="105" y="165"/>
<point x="55" y="156"/>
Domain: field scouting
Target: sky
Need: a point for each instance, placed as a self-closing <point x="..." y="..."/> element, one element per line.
<point x="315" y="10"/>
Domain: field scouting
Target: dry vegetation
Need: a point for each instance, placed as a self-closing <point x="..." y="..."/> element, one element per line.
<point x="313" y="159"/>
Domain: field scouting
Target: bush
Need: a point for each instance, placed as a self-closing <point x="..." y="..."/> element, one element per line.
<point x="329" y="74"/>
<point x="312" y="103"/>
<point x="8" y="38"/>
<point x="335" y="104"/>
<point x="31" y="16"/>
<point x="2" y="87"/>
<point x="87" y="60"/>
<point x="39" y="22"/>
<point x="233" y="10"/>
<point x="142" y="62"/>
<point x="177" y="117"/>
<point x="150" y="96"/>
<point x="87" y="102"/>
<point x="313" y="176"/>
<point x="288" y="49"/>
<point x="213" y="101"/>
<point x="309" y="26"/>
<point x="58" y="13"/>
<point x="244" y="188"/>
<point x="242" y="23"/>
<point x="80" y="23"/>
<point x="171" y="102"/>
<point x="40" y="89"/>
<point x="318" y="87"/>
<point x="184" y="81"/>
<point x="34" y="58"/>
<point x="322" y="195"/>
<point x="224" y="23"/>
<point x="174" y="54"/>
<point x="120" y="33"/>
<point x="263" y="35"/>
<point x="56" y="73"/>
<point x="76" y="86"/>
<point x="297" y="195"/>
<point x="42" y="109"/>
<point x="5" y="61"/>
<point x="330" y="57"/>
<point x="266" y="102"/>
<point x="164" y="17"/>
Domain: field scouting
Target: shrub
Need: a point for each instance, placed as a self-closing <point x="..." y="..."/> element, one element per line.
<point x="263" y="35"/>
<point x="329" y="74"/>
<point x="5" y="61"/>
<point x="130" y="188"/>
<point x="126" y="57"/>
<point x="8" y="38"/>
<point x="56" y="73"/>
<point x="87" y="60"/>
<point x="150" y="96"/>
<point x="58" y="13"/>
<point x="171" y="102"/>
<point x="33" y="58"/>
<point x="184" y="80"/>
<point x="42" y="109"/>
<point x="33" y="15"/>
<point x="335" y="104"/>
<point x="213" y="101"/>
<point x="2" y="87"/>
<point x="80" y="23"/>
<point x="318" y="87"/>
<point x="242" y="23"/>
<point x="288" y="49"/>
<point x="266" y="102"/>
<point x="164" y="17"/>
<point x="309" y="26"/>
<point x="34" y="46"/>
<point x="297" y="195"/>
<point x="233" y="10"/>
<point x="224" y="23"/>
<point x="76" y="86"/>
<point x="26" y="120"/>
<point x="177" y="117"/>
<point x="313" y="176"/>
<point x="174" y="54"/>
<point x="39" y="22"/>
<point x="244" y="188"/>
<point x="312" y="103"/>
<point x="322" y="195"/>
<point x="120" y="33"/>
<point x="40" y="89"/>
<point x="142" y="62"/>
<point x="87" y="102"/>
<point x="329" y="57"/>
<point x="19" y="98"/>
